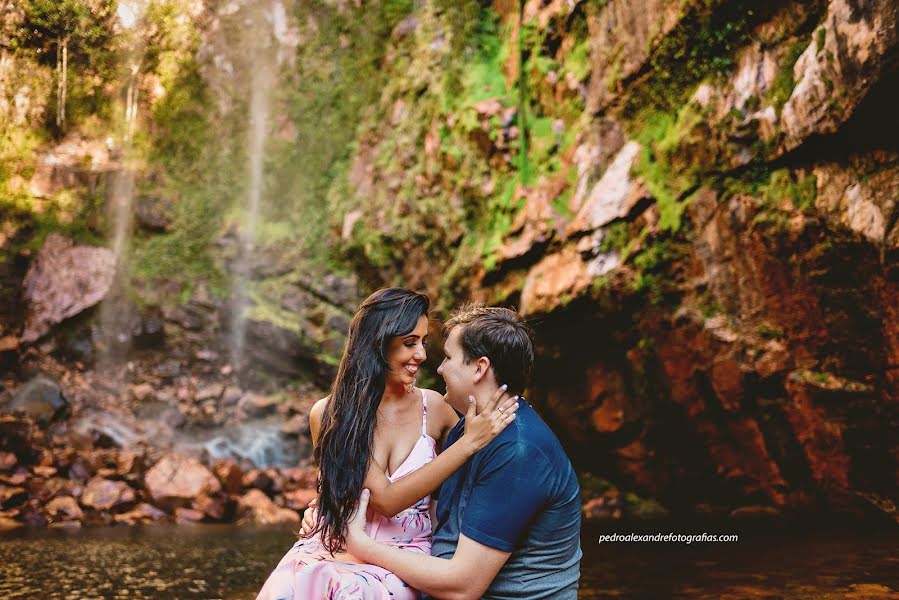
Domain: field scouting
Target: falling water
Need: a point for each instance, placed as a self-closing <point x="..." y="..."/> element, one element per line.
<point x="114" y="332"/>
<point x="264" y="62"/>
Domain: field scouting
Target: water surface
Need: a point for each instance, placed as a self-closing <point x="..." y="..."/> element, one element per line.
<point x="225" y="561"/>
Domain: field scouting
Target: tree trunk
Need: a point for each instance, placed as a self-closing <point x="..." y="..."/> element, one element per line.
<point x="65" y="73"/>
<point x="59" y="83"/>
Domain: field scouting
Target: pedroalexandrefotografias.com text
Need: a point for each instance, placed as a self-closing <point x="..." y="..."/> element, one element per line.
<point x="685" y="538"/>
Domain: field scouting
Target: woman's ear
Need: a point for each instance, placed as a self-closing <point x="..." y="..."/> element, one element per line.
<point x="483" y="368"/>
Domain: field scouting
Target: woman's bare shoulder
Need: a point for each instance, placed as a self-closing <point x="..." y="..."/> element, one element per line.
<point x="437" y="406"/>
<point x="315" y="417"/>
<point x="318" y="409"/>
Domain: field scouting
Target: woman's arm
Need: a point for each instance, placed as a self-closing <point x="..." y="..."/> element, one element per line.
<point x="391" y="497"/>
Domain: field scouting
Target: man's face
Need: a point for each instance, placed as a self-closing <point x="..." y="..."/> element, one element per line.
<point x="458" y="376"/>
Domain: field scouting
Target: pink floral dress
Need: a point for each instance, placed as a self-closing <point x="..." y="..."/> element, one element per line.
<point x="309" y="572"/>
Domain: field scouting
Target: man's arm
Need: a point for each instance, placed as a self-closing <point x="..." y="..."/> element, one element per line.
<point x="467" y="575"/>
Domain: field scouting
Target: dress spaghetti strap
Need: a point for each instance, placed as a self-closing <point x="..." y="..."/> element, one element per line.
<point x="424" y="414"/>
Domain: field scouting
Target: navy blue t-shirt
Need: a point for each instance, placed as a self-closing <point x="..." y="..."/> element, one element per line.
<point x="519" y="494"/>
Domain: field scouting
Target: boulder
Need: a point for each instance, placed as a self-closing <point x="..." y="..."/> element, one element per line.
<point x="40" y="399"/>
<point x="142" y="513"/>
<point x="105" y="494"/>
<point x="154" y="213"/>
<point x="187" y="515"/>
<point x="177" y="480"/>
<point x="64" y="508"/>
<point x="256" y="507"/>
<point x="230" y="475"/>
<point x="299" y="499"/>
<point x="64" y="280"/>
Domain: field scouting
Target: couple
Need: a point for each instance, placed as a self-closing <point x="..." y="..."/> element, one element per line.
<point x="507" y="523"/>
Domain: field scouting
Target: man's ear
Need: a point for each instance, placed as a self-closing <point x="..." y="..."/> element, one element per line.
<point x="483" y="367"/>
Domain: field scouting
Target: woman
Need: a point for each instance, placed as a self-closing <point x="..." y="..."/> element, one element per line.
<point x="378" y="431"/>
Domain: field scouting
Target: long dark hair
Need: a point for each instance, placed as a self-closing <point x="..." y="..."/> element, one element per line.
<point x="344" y="447"/>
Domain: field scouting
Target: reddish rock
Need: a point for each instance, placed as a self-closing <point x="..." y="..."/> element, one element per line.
<point x="296" y="425"/>
<point x="142" y="513"/>
<point x="211" y="506"/>
<point x="819" y="436"/>
<point x="302" y="476"/>
<point x="7" y="461"/>
<point x="256" y="406"/>
<point x="141" y="391"/>
<point x="187" y="515"/>
<point x="10" y="496"/>
<point x="256" y="507"/>
<point x="259" y="479"/>
<point x="64" y="508"/>
<point x="230" y="475"/>
<point x="299" y="499"/>
<point x="63" y="280"/>
<point x="44" y="471"/>
<point x="176" y="480"/>
<point x="105" y="494"/>
<point x="8" y="524"/>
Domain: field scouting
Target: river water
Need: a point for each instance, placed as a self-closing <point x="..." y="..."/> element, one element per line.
<point x="225" y="561"/>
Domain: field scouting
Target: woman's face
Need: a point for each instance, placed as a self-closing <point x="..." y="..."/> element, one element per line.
<point x="406" y="352"/>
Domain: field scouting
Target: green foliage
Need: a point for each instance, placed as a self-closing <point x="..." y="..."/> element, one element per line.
<point x="654" y="268"/>
<point x="616" y="237"/>
<point x="180" y="144"/>
<point x="577" y="62"/>
<point x="783" y="84"/>
<point x="702" y="46"/>
<point x="820" y="38"/>
<point x="86" y="25"/>
<point x="660" y="164"/>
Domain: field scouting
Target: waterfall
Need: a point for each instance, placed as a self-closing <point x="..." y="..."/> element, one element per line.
<point x="113" y="335"/>
<point x="264" y="60"/>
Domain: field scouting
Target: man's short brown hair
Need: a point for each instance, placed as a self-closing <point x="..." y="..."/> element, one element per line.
<point x="499" y="334"/>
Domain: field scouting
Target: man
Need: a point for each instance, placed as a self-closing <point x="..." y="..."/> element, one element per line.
<point x="508" y="521"/>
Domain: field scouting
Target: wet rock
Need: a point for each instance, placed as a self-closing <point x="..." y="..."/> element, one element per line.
<point x="210" y="392"/>
<point x="277" y="349"/>
<point x="147" y="330"/>
<point x="12" y="496"/>
<point x="169" y="369"/>
<point x="142" y="513"/>
<point x="8" y="524"/>
<point x="259" y="479"/>
<point x="7" y="461"/>
<point x="850" y="51"/>
<point x="178" y="480"/>
<point x="299" y="499"/>
<point x="187" y="317"/>
<point x="64" y="508"/>
<point x="187" y="515"/>
<point x="44" y="471"/>
<point x="255" y="405"/>
<point x="64" y="280"/>
<point x="613" y="196"/>
<point x="256" y="507"/>
<point x="154" y="213"/>
<point x="40" y="399"/>
<point x="296" y="425"/>
<point x="105" y="494"/>
<point x="755" y="512"/>
<point x="211" y="506"/>
<point x="230" y="475"/>
<point x="141" y="391"/>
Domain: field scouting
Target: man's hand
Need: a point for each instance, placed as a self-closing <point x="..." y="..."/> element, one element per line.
<point x="482" y="427"/>
<point x="356" y="538"/>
